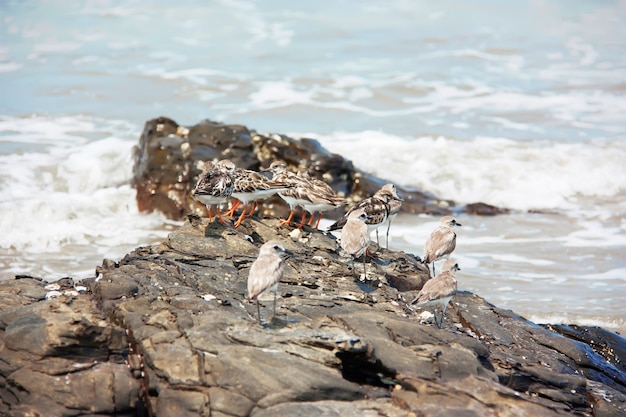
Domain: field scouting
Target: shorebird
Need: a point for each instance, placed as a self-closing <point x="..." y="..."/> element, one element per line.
<point x="379" y="207"/>
<point x="266" y="271"/>
<point x="215" y="185"/>
<point x="355" y="237"/>
<point x="395" y="204"/>
<point x="319" y="197"/>
<point x="439" y="291"/>
<point x="250" y="186"/>
<point x="441" y="242"/>
<point x="294" y="195"/>
<point x="311" y="194"/>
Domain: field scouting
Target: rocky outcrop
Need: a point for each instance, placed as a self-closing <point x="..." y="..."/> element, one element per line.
<point x="167" y="331"/>
<point x="165" y="168"/>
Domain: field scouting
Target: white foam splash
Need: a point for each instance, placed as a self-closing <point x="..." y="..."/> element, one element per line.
<point x="73" y="193"/>
<point x="503" y="172"/>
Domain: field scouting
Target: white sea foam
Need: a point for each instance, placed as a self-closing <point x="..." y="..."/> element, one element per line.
<point x="74" y="193"/>
<point x="503" y="172"/>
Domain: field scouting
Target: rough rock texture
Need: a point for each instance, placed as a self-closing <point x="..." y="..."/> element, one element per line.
<point x="61" y="356"/>
<point x="165" y="169"/>
<point x="167" y="331"/>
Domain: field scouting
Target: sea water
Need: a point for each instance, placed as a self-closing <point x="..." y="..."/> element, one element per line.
<point x="515" y="104"/>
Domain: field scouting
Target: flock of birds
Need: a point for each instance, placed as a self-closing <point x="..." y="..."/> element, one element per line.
<point x="222" y="180"/>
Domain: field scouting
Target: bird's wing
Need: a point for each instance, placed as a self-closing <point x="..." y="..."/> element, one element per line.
<point x="444" y="285"/>
<point x="437" y="243"/>
<point x="264" y="272"/>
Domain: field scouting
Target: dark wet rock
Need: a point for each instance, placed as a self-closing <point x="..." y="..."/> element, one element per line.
<point x="167" y="330"/>
<point x="60" y="356"/>
<point x="165" y="169"/>
<point x="483" y="209"/>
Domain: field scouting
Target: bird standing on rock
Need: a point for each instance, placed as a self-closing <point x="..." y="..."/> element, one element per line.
<point x="379" y="208"/>
<point x="312" y="194"/>
<point x="355" y="238"/>
<point x="395" y="204"/>
<point x="251" y="186"/>
<point x="439" y="290"/>
<point x="215" y="185"/>
<point x="441" y="242"/>
<point x="266" y="271"/>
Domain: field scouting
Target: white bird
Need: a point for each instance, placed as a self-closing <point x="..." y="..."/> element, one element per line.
<point x="441" y="242"/>
<point x="439" y="290"/>
<point x="266" y="271"/>
<point x="355" y="237"/>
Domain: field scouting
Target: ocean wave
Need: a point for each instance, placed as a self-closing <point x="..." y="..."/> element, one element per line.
<point x="522" y="175"/>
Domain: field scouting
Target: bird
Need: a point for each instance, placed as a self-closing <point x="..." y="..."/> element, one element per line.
<point x="215" y="185"/>
<point x="309" y="193"/>
<point x="320" y="197"/>
<point x="266" y="271"/>
<point x="355" y="237"/>
<point x="251" y="186"/>
<point x="292" y="196"/>
<point x="439" y="290"/>
<point x="441" y="242"/>
<point x="378" y="208"/>
<point x="395" y="204"/>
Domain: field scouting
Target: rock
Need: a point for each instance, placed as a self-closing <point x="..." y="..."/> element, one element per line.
<point x="483" y="209"/>
<point x="165" y="167"/>
<point x="60" y="356"/>
<point x="167" y="330"/>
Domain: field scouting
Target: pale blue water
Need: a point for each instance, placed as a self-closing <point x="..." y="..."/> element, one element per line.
<point x="518" y="104"/>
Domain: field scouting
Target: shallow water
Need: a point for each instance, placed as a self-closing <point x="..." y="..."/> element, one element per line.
<point x="515" y="104"/>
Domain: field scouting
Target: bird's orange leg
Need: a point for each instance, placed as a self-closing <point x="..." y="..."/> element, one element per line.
<point x="241" y="217"/>
<point x="219" y="215"/>
<point x="301" y="225"/>
<point x="317" y="225"/>
<point x="231" y="212"/>
<point x="311" y="219"/>
<point x="253" y="209"/>
<point x="288" y="220"/>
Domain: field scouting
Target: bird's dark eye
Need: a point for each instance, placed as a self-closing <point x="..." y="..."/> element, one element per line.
<point x="276" y="247"/>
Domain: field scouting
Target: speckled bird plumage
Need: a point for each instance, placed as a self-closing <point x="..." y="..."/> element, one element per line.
<point x="215" y="185"/>
<point x="311" y="194"/>
<point x="378" y="208"/>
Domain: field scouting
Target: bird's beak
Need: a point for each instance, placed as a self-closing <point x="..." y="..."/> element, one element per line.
<point x="288" y="252"/>
<point x="458" y="224"/>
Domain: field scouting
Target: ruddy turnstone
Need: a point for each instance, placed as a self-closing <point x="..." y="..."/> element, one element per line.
<point x="441" y="242"/>
<point x="251" y="186"/>
<point x="439" y="291"/>
<point x="355" y="238"/>
<point x="266" y="271"/>
<point x="294" y="196"/>
<point x="395" y="204"/>
<point x="215" y="185"/>
<point x="320" y="197"/>
<point x="378" y="208"/>
<point x="311" y="194"/>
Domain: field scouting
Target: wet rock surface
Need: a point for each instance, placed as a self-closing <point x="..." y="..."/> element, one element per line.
<point x="165" y="168"/>
<point x="167" y="331"/>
